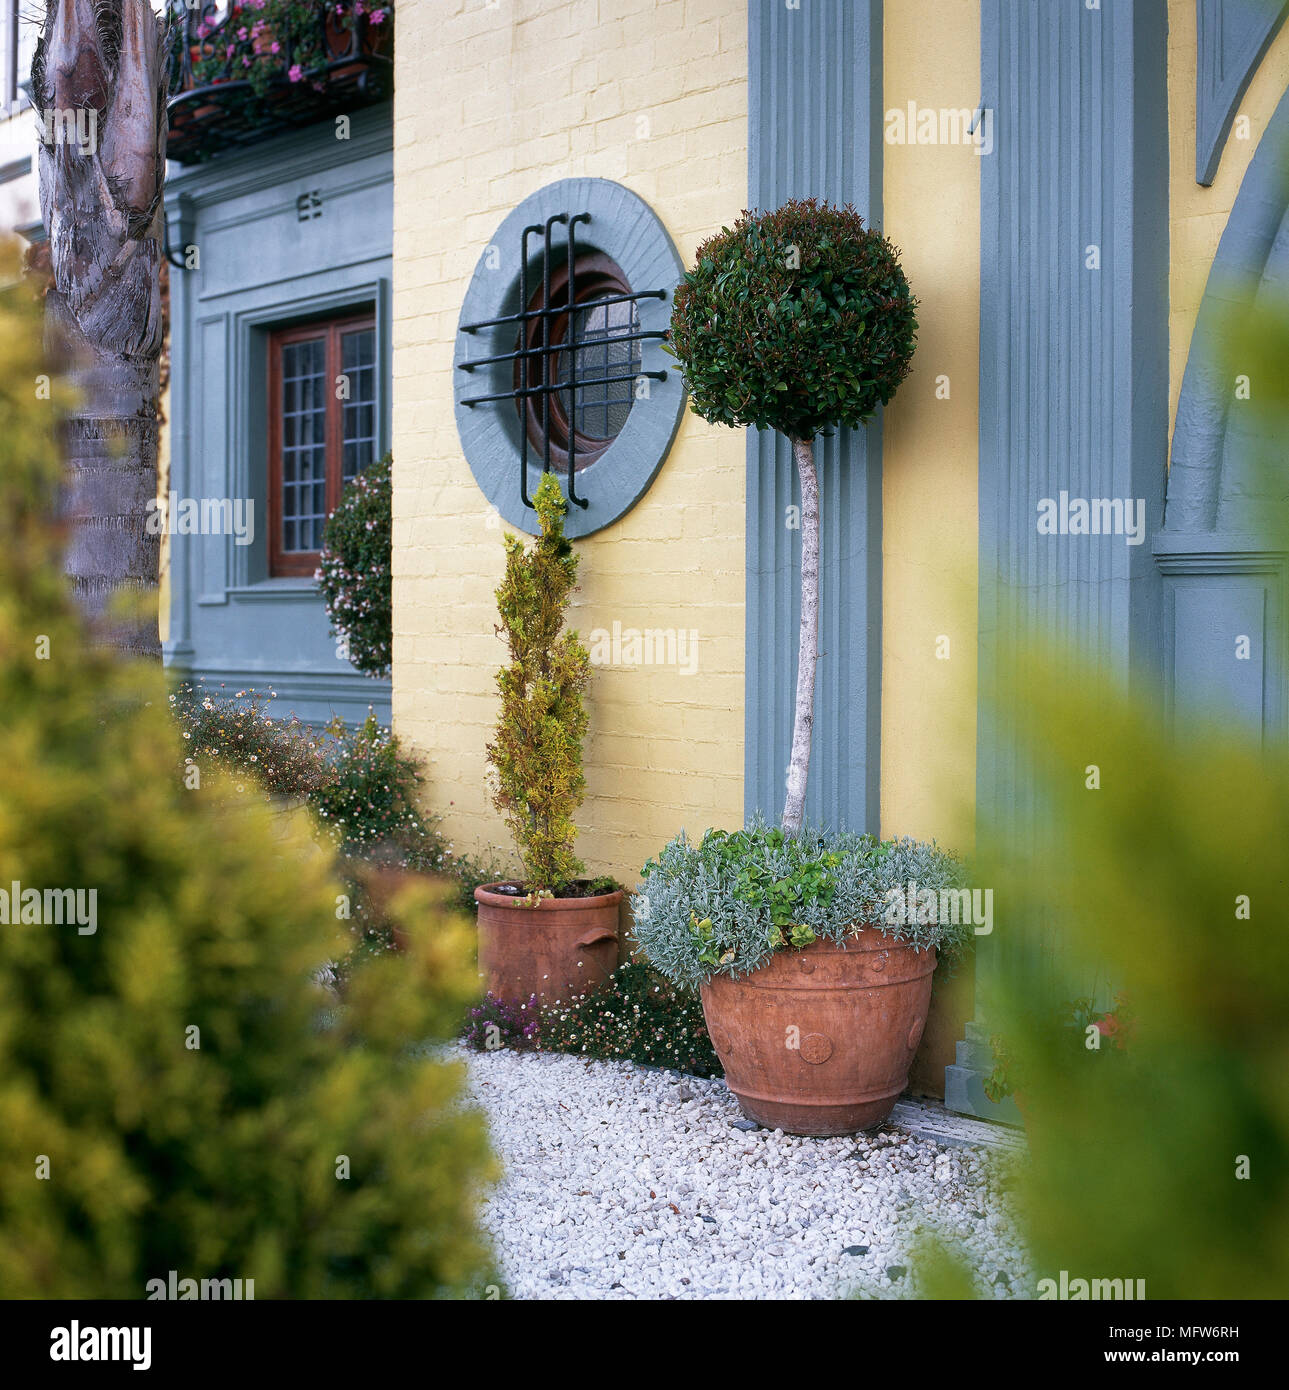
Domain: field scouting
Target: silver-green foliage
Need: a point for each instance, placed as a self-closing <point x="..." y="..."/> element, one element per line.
<point x="725" y="905"/>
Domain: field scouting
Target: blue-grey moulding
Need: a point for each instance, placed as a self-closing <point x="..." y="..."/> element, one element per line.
<point x="1231" y="39"/>
<point x="624" y="228"/>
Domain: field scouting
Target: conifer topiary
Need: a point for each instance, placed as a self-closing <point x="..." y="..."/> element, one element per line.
<point x="537" y="752"/>
<point x="177" y="1092"/>
<point x="797" y="320"/>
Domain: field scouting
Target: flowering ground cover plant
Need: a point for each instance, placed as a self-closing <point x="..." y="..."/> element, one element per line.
<point x="639" y="1016"/>
<point x="725" y="905"/>
<point x="238" y="734"/>
<point x="361" y="784"/>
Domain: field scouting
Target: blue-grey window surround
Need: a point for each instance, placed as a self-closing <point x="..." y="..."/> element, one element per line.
<point x="263" y="266"/>
<point x="624" y="228"/>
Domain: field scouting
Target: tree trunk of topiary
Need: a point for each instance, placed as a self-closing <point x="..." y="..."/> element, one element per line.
<point x="803" y="723"/>
<point x="99" y="88"/>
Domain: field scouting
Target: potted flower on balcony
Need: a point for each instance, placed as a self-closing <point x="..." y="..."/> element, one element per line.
<point x="554" y="934"/>
<point x="798" y="320"/>
<point x="813" y="954"/>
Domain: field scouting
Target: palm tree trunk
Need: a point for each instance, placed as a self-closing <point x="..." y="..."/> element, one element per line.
<point x="99" y="87"/>
<point x="803" y="451"/>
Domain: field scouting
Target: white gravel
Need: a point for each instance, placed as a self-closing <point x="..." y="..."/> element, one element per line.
<point x="623" y="1182"/>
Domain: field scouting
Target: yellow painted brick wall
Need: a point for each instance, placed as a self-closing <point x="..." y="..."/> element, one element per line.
<point x="1198" y="215"/>
<point x="495" y="100"/>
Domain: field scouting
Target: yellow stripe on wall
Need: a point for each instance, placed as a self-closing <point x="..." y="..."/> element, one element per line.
<point x="931" y="193"/>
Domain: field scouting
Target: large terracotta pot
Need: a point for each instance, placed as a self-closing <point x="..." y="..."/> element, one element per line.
<point x="561" y="947"/>
<point x="819" y="1041"/>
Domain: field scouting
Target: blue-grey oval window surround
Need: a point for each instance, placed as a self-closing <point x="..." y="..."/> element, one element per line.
<point x="624" y="228"/>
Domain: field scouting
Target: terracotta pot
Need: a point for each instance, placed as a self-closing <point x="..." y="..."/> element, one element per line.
<point x="561" y="947"/>
<point x="819" y="1041"/>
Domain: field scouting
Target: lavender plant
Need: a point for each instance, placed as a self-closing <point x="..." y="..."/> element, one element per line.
<point x="496" y="1023"/>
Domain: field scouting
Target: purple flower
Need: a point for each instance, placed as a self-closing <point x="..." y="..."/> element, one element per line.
<point x="295" y="72"/>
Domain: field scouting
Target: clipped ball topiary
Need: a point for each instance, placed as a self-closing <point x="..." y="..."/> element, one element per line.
<point x="354" y="569"/>
<point x="797" y="320"/>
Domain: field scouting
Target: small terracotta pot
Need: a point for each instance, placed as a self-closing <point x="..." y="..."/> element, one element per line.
<point x="819" y="1041"/>
<point x="561" y="947"/>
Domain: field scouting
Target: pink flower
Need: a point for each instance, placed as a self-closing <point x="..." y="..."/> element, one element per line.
<point x="295" y="72"/>
<point x="276" y="47"/>
<point x="378" y="16"/>
<point x="242" y="34"/>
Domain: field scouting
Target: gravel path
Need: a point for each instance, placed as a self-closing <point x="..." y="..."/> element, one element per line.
<point x="622" y="1182"/>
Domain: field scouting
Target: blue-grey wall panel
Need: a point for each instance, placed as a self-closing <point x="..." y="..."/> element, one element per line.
<point x="815" y="130"/>
<point x="1073" y="369"/>
<point x="1222" y="559"/>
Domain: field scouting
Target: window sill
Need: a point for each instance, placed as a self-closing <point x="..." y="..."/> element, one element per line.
<point x="284" y="587"/>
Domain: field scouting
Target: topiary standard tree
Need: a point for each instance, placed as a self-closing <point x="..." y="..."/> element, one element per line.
<point x="797" y="320"/>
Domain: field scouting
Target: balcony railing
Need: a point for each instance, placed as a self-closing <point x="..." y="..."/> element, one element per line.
<point x="244" y="71"/>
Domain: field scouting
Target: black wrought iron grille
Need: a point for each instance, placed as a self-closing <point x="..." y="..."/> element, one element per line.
<point x="592" y="343"/>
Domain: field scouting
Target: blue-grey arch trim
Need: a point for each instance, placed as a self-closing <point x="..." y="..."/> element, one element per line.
<point x="625" y="228"/>
<point x="1231" y="37"/>
<point x="1204" y="484"/>
<point x="815" y="130"/>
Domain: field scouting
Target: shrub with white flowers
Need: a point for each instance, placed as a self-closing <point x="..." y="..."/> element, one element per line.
<point x="354" y="569"/>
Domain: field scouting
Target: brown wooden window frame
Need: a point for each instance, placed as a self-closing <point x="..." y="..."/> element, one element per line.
<point x="295" y="563"/>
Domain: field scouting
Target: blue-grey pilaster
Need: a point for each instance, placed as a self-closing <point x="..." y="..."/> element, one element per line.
<point x="815" y="130"/>
<point x="1073" y="371"/>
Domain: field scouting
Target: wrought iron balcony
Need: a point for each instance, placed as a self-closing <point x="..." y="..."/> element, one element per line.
<point x="243" y="71"/>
